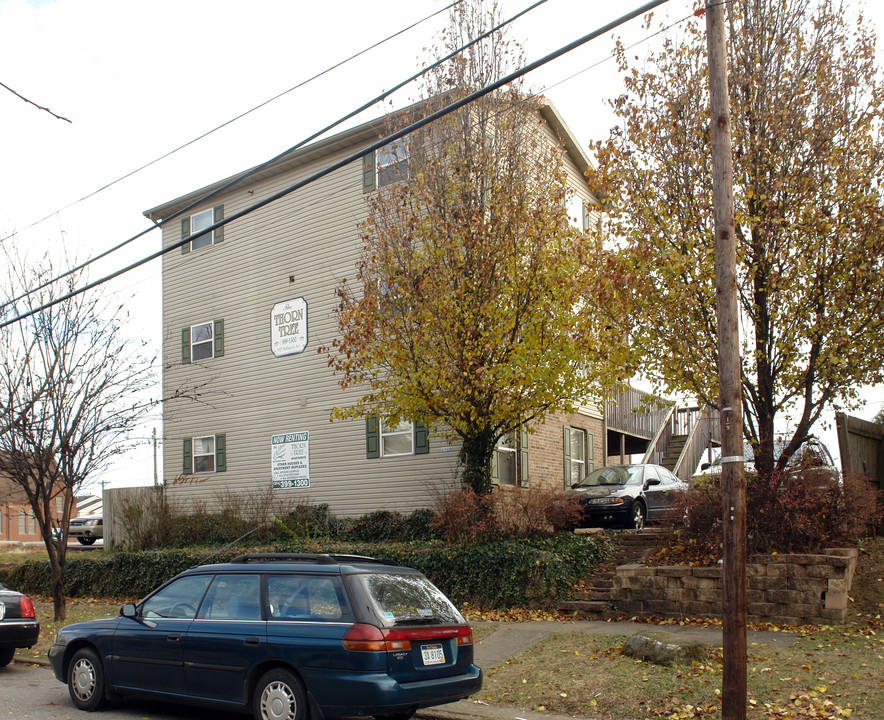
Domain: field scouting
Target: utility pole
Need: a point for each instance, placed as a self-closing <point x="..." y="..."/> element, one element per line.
<point x="733" y="479"/>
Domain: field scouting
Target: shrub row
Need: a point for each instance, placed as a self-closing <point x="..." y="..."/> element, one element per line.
<point x="507" y="573"/>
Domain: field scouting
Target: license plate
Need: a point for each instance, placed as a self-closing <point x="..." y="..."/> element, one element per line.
<point x="432" y="654"/>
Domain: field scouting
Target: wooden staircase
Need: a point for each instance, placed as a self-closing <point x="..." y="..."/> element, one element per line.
<point x="673" y="451"/>
<point x="592" y="595"/>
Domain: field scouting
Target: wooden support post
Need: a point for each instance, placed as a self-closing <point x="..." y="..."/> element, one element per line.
<point x="733" y="479"/>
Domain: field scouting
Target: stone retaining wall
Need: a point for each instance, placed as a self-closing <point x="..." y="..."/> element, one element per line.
<point x="788" y="589"/>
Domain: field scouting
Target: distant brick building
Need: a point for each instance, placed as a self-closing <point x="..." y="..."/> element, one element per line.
<point x="17" y="520"/>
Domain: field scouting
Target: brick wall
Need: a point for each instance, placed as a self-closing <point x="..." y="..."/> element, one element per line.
<point x="789" y="589"/>
<point x="546" y="448"/>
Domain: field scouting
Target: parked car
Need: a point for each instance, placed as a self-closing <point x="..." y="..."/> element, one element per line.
<point x="812" y="460"/>
<point x="284" y="635"/>
<point x="628" y="496"/>
<point x="19" y="627"/>
<point x="87" y="529"/>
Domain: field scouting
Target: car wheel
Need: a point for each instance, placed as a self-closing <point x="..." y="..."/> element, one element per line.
<point x="86" y="680"/>
<point x="6" y="655"/>
<point x="637" y="517"/>
<point x="279" y="696"/>
<point x="85" y="540"/>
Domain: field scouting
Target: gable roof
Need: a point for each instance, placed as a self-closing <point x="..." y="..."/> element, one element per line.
<point x="365" y="134"/>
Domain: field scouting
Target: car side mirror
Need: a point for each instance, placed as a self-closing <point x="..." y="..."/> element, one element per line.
<point x="654" y="481"/>
<point x="128" y="610"/>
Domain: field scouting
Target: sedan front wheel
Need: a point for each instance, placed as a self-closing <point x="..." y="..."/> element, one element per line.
<point x="638" y="516"/>
<point x="86" y="680"/>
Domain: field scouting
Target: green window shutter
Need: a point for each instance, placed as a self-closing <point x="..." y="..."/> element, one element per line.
<point x="495" y="468"/>
<point x="369" y="172"/>
<point x="218" y="216"/>
<point x="523" y="457"/>
<point x="185" y="346"/>
<point x="421" y="439"/>
<point x="586" y="217"/>
<point x="567" y="455"/>
<point x="372" y="438"/>
<point x="220" y="453"/>
<point x="185" y="232"/>
<point x="590" y="452"/>
<point x="188" y="455"/>
<point x="219" y="338"/>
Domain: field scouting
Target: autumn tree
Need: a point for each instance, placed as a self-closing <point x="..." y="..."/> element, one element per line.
<point x="463" y="314"/>
<point x="807" y="136"/>
<point x="72" y="387"/>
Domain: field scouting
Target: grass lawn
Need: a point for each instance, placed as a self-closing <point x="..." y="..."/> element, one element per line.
<point x="831" y="673"/>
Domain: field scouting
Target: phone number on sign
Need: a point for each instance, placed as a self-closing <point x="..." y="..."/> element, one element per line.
<point x="297" y="483"/>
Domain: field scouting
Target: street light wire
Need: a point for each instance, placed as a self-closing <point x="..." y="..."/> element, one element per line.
<point x="353" y="157"/>
<point x="258" y="168"/>
<point x="232" y="120"/>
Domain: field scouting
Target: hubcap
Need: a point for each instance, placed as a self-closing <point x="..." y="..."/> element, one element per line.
<point x="83" y="679"/>
<point x="278" y="702"/>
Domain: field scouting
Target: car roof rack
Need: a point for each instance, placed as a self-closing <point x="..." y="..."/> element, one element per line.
<point x="319" y="558"/>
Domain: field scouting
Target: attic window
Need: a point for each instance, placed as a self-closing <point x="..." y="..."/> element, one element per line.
<point x="393" y="162"/>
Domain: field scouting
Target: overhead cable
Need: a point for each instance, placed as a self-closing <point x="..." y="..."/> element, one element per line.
<point x="353" y="157"/>
<point x="234" y="119"/>
<point x="258" y="168"/>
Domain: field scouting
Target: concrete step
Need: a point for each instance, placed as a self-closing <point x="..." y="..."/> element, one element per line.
<point x="584" y="606"/>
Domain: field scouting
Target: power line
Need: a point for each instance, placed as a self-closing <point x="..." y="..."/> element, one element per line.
<point x="228" y="122"/>
<point x="280" y="156"/>
<point x="353" y="157"/>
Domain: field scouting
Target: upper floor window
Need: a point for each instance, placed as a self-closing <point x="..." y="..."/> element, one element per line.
<point x="200" y="221"/>
<point x="578" y="213"/>
<point x="392" y="162"/>
<point x="203" y="341"/>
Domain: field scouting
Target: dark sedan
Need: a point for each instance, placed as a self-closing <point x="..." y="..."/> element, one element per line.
<point x="18" y="624"/>
<point x="628" y="496"/>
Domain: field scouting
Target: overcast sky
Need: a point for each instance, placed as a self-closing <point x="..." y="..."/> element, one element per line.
<point x="140" y="78"/>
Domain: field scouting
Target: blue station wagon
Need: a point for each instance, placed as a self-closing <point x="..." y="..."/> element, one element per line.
<point x="288" y="636"/>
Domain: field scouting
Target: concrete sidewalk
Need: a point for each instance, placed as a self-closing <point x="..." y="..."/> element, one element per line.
<point x="511" y="638"/>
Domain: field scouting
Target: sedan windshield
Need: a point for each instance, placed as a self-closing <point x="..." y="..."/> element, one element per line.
<point x="619" y="475"/>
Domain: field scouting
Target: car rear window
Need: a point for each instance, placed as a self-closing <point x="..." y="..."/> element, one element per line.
<point x="408" y="599"/>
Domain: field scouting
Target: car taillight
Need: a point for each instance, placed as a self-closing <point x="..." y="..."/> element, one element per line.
<point x="371" y="638"/>
<point x="27" y="607"/>
<point x="364" y="637"/>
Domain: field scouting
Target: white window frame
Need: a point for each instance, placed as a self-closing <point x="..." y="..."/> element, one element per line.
<point x="578" y="465"/>
<point x="513" y="450"/>
<point x="194" y="343"/>
<point x="402" y="430"/>
<point x="197" y="223"/>
<point x="393" y="162"/>
<point x="212" y="454"/>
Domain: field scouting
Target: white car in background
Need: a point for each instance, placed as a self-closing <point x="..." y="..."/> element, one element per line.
<point x="86" y="529"/>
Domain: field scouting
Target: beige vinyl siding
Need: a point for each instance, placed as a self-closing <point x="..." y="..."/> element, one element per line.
<point x="312" y="236"/>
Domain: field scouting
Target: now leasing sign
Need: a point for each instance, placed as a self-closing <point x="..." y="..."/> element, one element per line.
<point x="290" y="460"/>
<point x="288" y="327"/>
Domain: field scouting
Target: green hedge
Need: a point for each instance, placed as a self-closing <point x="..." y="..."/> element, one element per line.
<point x="511" y="573"/>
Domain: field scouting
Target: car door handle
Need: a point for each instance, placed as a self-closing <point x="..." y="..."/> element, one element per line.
<point x="174" y="637"/>
<point x="253" y="641"/>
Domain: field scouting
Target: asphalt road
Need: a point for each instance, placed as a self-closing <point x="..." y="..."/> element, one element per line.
<point x="29" y="692"/>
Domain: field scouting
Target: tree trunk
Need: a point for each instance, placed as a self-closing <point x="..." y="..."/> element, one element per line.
<point x="475" y="460"/>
